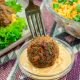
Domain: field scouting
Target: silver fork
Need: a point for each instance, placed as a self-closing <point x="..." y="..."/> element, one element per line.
<point x="34" y="19"/>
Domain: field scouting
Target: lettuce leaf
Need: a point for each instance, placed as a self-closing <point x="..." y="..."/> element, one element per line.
<point x="12" y="32"/>
<point x="13" y="4"/>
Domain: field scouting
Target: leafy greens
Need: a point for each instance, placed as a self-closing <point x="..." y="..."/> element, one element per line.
<point x="12" y="32"/>
<point x="13" y="4"/>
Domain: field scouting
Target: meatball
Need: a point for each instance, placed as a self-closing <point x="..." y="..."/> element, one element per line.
<point x="43" y="51"/>
<point x="2" y="1"/>
<point x="5" y="15"/>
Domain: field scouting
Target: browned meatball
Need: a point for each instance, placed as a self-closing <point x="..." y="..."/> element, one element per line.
<point x="2" y="1"/>
<point x="5" y="15"/>
<point x="43" y="51"/>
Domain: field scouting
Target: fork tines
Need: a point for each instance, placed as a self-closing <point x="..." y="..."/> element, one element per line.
<point x="34" y="20"/>
<point x="35" y="24"/>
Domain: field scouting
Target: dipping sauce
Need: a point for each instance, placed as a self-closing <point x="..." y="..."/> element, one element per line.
<point x="62" y="63"/>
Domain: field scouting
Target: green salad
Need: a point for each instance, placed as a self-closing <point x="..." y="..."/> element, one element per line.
<point x="13" y="30"/>
<point x="13" y="4"/>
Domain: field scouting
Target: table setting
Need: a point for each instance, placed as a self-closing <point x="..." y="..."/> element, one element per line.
<point x="54" y="25"/>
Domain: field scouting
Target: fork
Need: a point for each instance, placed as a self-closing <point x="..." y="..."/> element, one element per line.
<point x="34" y="19"/>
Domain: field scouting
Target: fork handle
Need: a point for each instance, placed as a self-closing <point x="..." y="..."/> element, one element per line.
<point x="30" y="1"/>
